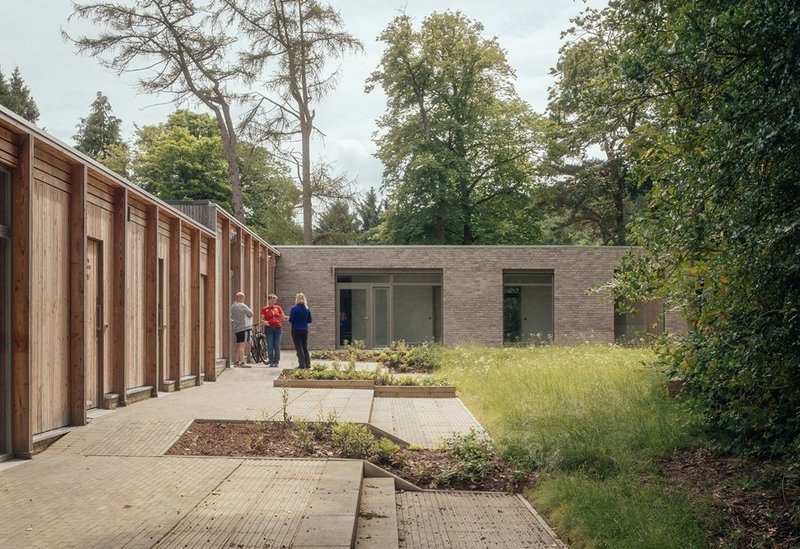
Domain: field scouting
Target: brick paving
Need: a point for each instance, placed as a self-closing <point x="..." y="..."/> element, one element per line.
<point x="109" y="484"/>
<point x="470" y="520"/>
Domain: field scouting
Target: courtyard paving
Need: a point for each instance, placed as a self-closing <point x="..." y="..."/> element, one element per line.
<point x="109" y="484"/>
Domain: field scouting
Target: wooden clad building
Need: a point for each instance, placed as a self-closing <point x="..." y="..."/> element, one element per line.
<point x="107" y="294"/>
<point x="248" y="259"/>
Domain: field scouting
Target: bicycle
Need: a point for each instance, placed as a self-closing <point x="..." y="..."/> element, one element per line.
<point x="258" y="345"/>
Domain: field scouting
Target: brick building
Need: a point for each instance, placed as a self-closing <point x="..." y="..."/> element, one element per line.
<point x="488" y="295"/>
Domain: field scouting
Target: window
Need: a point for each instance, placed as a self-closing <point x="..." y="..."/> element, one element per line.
<point x="378" y="307"/>
<point x="527" y="307"/>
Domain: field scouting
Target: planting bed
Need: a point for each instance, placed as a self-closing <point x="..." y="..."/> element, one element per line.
<point x="425" y="468"/>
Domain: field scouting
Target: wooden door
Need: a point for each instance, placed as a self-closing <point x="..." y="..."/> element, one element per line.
<point x="94" y="324"/>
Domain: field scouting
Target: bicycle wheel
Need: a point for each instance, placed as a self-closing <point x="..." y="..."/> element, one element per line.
<point x="261" y="341"/>
<point x="255" y="349"/>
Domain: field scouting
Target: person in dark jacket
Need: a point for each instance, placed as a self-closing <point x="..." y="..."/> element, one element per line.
<point x="300" y="318"/>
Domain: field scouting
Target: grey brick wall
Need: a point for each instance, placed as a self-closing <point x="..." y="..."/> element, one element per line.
<point x="472" y="286"/>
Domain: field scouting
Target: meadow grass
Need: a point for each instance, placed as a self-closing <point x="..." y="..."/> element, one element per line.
<point x="593" y="420"/>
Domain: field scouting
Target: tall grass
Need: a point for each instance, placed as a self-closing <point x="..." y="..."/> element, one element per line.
<point x="593" y="420"/>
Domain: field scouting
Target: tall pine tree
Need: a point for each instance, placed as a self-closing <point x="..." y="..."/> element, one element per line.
<point x="99" y="136"/>
<point x="15" y="95"/>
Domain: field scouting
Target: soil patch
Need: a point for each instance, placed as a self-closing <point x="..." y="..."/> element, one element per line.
<point x="758" y="501"/>
<point x="426" y="468"/>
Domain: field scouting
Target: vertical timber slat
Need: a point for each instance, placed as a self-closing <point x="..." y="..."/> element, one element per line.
<point x="175" y="301"/>
<point x="77" y="298"/>
<point x="151" y="332"/>
<point x="196" y="367"/>
<point x="120" y="269"/>
<point x="248" y="261"/>
<point x="209" y="360"/>
<point x="21" y="294"/>
<point x="225" y="275"/>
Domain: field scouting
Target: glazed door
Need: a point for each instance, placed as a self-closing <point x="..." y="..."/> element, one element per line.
<point x="381" y="329"/>
<point x="353" y="314"/>
<point x="364" y="314"/>
<point x="94" y="324"/>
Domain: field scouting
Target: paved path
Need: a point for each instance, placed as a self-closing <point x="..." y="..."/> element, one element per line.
<point x="109" y="484"/>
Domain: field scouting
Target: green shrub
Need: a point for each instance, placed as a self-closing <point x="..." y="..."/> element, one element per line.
<point x="353" y="441"/>
<point x="425" y="357"/>
<point x="475" y="454"/>
<point x="303" y="430"/>
<point x="390" y="453"/>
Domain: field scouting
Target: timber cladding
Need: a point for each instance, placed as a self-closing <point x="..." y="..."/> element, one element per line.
<point x="95" y="310"/>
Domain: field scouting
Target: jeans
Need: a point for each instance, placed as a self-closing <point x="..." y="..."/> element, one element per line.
<point x="273" y="336"/>
<point x="300" y="340"/>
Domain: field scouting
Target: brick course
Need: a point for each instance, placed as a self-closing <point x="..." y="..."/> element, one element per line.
<point x="472" y="280"/>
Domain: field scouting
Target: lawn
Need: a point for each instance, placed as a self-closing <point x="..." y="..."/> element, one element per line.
<point x="594" y="421"/>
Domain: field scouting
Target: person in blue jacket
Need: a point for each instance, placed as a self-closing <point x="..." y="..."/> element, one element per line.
<point x="300" y="318"/>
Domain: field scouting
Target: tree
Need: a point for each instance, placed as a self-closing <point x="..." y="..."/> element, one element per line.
<point x="720" y="236"/>
<point x="182" y="50"/>
<point x="457" y="144"/>
<point x="99" y="136"/>
<point x="595" y="108"/>
<point x="293" y="39"/>
<point x="16" y="96"/>
<point x="337" y="225"/>
<point x="270" y="194"/>
<point x="182" y="159"/>
<point x="369" y="214"/>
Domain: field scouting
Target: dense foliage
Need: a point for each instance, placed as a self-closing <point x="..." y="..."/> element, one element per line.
<point x="720" y="157"/>
<point x="457" y="144"/>
<point x="183" y="159"/>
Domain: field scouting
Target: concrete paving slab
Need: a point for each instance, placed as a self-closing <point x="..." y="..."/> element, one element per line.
<point x="377" y="518"/>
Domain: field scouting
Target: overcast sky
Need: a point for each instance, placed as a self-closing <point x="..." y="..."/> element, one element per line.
<point x="64" y="84"/>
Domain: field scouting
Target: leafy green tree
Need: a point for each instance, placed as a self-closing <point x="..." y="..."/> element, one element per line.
<point x="16" y="96"/>
<point x="99" y="135"/>
<point x="721" y="232"/>
<point x="337" y="225"/>
<point x="182" y="159"/>
<point x="293" y="40"/>
<point x="457" y="144"/>
<point x="270" y="196"/>
<point x="596" y="112"/>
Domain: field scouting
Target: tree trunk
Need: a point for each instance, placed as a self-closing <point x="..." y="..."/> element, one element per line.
<point x="305" y="129"/>
<point x="225" y="125"/>
<point x="617" y="176"/>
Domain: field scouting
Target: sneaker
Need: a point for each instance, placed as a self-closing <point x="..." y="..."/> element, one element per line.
<point x="245" y="365"/>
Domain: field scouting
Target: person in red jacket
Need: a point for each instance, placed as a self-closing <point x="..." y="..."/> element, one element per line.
<point x="273" y="317"/>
